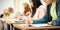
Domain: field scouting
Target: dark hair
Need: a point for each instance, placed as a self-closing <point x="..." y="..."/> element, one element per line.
<point x="1" y="15"/>
<point x="10" y="9"/>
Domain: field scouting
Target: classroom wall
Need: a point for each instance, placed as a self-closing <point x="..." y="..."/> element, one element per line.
<point x="11" y="3"/>
<point x="5" y="4"/>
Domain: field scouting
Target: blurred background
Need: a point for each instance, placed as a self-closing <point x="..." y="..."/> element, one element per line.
<point x="17" y="5"/>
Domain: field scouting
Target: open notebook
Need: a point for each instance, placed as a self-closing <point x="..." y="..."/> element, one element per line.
<point x="40" y="25"/>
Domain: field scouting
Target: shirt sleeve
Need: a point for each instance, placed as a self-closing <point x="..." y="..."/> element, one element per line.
<point x="40" y="13"/>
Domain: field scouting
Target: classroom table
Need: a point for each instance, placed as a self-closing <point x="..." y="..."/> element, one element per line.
<point x="23" y="27"/>
<point x="7" y="22"/>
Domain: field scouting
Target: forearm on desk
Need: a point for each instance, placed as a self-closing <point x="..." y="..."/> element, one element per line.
<point x="40" y="21"/>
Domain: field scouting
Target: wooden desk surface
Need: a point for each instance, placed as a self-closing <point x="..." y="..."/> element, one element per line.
<point x="19" y="26"/>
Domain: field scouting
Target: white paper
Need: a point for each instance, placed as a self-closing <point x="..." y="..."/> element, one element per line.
<point x="36" y="25"/>
<point x="39" y="25"/>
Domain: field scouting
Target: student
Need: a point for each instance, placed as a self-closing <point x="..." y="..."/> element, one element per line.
<point x="42" y="15"/>
<point x="10" y="10"/>
<point x="5" y="15"/>
<point x="56" y="18"/>
<point x="27" y="10"/>
<point x="11" y="13"/>
<point x="54" y="11"/>
<point x="53" y="8"/>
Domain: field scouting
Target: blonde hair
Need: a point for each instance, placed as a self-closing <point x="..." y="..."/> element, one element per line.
<point x="5" y="13"/>
<point x="5" y="10"/>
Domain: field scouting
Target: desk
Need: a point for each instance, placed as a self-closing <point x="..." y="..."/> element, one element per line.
<point x="10" y="23"/>
<point x="19" y="26"/>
